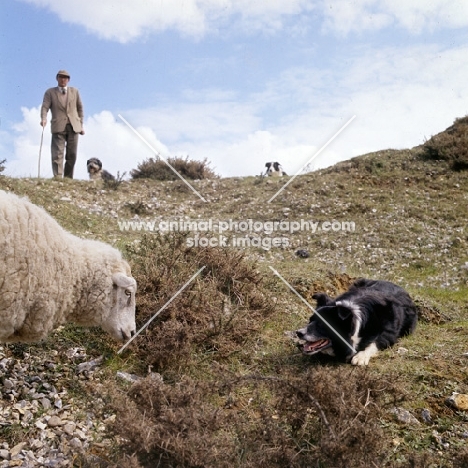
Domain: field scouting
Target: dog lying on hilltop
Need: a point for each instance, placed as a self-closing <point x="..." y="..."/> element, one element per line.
<point x="274" y="169"/>
<point x="96" y="172"/>
<point x="370" y="316"/>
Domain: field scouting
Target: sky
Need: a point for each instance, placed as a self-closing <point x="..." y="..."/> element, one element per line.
<point x="235" y="82"/>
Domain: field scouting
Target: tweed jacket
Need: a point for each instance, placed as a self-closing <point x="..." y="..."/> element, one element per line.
<point x="72" y="112"/>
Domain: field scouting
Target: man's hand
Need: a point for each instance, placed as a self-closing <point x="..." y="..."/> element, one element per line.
<point x="43" y="123"/>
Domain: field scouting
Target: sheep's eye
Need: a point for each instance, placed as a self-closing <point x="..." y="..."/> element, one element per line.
<point x="128" y="293"/>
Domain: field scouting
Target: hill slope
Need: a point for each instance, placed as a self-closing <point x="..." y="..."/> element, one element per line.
<point x="234" y="389"/>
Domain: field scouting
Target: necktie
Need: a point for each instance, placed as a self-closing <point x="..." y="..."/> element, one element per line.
<point x="64" y="90"/>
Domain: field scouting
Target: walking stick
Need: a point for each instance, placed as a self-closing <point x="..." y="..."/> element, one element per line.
<point x="40" y="151"/>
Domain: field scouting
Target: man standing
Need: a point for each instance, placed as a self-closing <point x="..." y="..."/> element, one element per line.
<point x="67" y="121"/>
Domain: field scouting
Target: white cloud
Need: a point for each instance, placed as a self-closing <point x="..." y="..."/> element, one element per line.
<point x="124" y="20"/>
<point x="418" y="15"/>
<point x="26" y="146"/>
<point x="343" y="16"/>
<point x="198" y="121"/>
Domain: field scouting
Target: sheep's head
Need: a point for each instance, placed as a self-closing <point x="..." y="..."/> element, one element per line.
<point x="120" y="322"/>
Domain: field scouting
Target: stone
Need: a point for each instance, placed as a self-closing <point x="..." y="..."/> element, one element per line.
<point x="46" y="404"/>
<point x="76" y="443"/>
<point x="426" y="416"/>
<point x="128" y="377"/>
<point x="458" y="401"/>
<point x="90" y="365"/>
<point x="40" y="425"/>
<point x="302" y="253"/>
<point x="54" y="421"/>
<point x="17" y="449"/>
<point x="69" y="428"/>
<point x="404" y="416"/>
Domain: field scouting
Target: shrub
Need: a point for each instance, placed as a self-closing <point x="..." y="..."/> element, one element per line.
<point x="114" y="184"/>
<point x="450" y="145"/>
<point x="157" y="169"/>
<point x="322" y="416"/>
<point x="2" y="165"/>
<point x="214" y="315"/>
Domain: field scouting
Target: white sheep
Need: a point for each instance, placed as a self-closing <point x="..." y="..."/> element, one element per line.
<point x="49" y="276"/>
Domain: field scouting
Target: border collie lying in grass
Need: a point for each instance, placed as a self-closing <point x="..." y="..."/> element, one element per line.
<point x="370" y="316"/>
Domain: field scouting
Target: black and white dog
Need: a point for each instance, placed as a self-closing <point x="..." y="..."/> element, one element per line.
<point x="370" y="316"/>
<point x="96" y="172"/>
<point x="274" y="169"/>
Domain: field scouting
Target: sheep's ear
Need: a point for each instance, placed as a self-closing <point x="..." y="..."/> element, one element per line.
<point x="128" y="270"/>
<point x="322" y="299"/>
<point x="123" y="281"/>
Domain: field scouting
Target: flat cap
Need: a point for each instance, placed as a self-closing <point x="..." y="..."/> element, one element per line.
<point x="63" y="73"/>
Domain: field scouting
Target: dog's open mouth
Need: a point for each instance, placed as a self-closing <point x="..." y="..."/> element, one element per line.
<point x="312" y="347"/>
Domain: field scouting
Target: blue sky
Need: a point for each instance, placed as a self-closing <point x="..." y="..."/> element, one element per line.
<point x="236" y="82"/>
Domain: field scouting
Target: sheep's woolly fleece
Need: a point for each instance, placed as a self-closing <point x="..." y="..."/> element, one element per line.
<point x="49" y="276"/>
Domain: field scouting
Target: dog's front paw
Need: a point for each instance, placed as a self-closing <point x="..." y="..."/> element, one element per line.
<point x="360" y="359"/>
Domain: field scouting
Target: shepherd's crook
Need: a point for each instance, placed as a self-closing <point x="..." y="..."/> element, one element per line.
<point x="40" y="151"/>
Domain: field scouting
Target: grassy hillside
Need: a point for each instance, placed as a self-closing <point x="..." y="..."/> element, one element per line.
<point x="221" y="384"/>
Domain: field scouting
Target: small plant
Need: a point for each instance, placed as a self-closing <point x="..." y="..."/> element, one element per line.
<point x="2" y="165"/>
<point x="157" y="169"/>
<point x="138" y="208"/>
<point x="114" y="184"/>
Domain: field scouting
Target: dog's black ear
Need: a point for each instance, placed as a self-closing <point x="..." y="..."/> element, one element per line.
<point x="344" y="312"/>
<point x="322" y="299"/>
